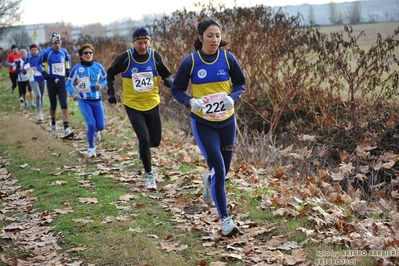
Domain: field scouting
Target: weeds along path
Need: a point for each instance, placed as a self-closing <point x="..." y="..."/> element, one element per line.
<point x="325" y="211"/>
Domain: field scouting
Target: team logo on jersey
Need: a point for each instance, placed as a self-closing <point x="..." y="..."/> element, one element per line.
<point x="221" y="72"/>
<point x="81" y="70"/>
<point x="149" y="68"/>
<point x="202" y="73"/>
<point x="135" y="70"/>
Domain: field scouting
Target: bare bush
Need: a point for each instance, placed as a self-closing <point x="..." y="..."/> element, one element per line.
<point x="300" y="82"/>
<point x="362" y="78"/>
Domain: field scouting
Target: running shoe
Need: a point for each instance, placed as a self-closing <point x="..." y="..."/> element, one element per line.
<point x="68" y="133"/>
<point x="53" y="130"/>
<point x="228" y="227"/>
<point x="91" y="152"/>
<point x="150" y="181"/>
<point x="97" y="136"/>
<point x="206" y="194"/>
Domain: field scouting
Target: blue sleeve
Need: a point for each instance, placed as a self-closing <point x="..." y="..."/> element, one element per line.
<point x="181" y="81"/>
<point x="18" y="67"/>
<point x="103" y="76"/>
<point x="71" y="80"/>
<point x="8" y="63"/>
<point x="68" y="60"/>
<point x="237" y="77"/>
<point x="39" y="62"/>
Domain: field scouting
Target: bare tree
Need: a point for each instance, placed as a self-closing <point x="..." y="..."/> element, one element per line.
<point x="10" y="14"/>
<point x="20" y="38"/>
<point x="336" y="17"/>
<point x="311" y="16"/>
<point x="354" y="13"/>
<point x="333" y="14"/>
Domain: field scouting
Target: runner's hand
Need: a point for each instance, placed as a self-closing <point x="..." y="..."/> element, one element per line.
<point x="112" y="98"/>
<point x="197" y="104"/>
<point x="228" y="103"/>
<point x="76" y="96"/>
<point x="98" y="86"/>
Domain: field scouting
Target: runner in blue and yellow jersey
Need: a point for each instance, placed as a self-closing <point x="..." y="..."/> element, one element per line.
<point x="140" y="68"/>
<point x="84" y="84"/>
<point x="57" y="64"/>
<point x="217" y="83"/>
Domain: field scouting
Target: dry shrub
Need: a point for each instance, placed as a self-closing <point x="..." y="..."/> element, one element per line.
<point x="299" y="80"/>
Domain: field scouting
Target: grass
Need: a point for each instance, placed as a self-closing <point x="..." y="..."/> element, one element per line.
<point x="134" y="238"/>
<point x="108" y="243"/>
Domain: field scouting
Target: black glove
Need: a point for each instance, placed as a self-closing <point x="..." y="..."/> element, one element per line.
<point x="168" y="82"/>
<point x="67" y="73"/>
<point x="45" y="75"/>
<point x="112" y="98"/>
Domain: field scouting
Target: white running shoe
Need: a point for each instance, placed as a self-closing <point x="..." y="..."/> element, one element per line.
<point x="150" y="181"/>
<point x="21" y="100"/>
<point x="68" y="133"/>
<point x="39" y="118"/>
<point x="207" y="194"/>
<point x="228" y="227"/>
<point x="97" y="136"/>
<point x="53" y="130"/>
<point x="91" y="152"/>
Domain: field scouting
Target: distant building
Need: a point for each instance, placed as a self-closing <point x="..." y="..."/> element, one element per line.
<point x="39" y="34"/>
<point x="65" y="32"/>
<point x="370" y="11"/>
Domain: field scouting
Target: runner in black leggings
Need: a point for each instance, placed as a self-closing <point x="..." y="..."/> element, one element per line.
<point x="141" y="68"/>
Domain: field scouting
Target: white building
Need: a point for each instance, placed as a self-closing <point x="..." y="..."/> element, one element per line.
<point x="371" y="11"/>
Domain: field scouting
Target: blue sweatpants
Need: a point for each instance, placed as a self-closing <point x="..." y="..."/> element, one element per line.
<point x="93" y="113"/>
<point x="216" y="144"/>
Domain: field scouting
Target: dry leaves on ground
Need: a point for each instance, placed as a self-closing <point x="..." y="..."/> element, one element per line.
<point x="336" y="217"/>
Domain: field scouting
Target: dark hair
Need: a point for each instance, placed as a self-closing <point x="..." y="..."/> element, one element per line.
<point x="83" y="47"/>
<point x="33" y="45"/>
<point x="13" y="46"/>
<point x="202" y="26"/>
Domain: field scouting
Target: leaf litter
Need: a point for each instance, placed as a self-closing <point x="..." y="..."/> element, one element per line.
<point x="319" y="199"/>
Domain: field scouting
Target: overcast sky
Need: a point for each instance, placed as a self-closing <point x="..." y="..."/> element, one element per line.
<point x="83" y="12"/>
